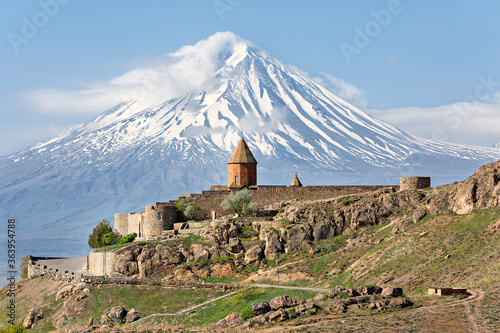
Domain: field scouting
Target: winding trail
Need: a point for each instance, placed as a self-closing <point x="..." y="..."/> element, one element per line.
<point x="184" y="311"/>
<point x="287" y="287"/>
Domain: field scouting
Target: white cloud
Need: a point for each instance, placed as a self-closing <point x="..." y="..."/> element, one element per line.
<point x="171" y="75"/>
<point x="342" y="89"/>
<point x="475" y="123"/>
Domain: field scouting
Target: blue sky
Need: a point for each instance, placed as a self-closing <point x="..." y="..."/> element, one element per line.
<point x="431" y="68"/>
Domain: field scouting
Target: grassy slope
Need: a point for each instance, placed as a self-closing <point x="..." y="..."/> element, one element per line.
<point x="417" y="255"/>
<point x="41" y="293"/>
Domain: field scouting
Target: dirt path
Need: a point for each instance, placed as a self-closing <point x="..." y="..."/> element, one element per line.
<point x="287" y="287"/>
<point x="184" y="311"/>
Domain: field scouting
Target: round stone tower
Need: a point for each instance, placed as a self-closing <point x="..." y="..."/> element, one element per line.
<point x="242" y="166"/>
<point x="414" y="183"/>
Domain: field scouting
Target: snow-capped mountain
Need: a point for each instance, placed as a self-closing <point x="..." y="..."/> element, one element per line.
<point x="177" y="128"/>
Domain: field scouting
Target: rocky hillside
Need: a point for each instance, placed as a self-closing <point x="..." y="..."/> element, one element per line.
<point x="447" y="236"/>
<point x="375" y="221"/>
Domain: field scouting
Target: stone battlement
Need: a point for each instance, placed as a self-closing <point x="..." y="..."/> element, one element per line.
<point x="414" y="183"/>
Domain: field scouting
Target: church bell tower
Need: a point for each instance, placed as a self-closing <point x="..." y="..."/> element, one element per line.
<point x="242" y="167"/>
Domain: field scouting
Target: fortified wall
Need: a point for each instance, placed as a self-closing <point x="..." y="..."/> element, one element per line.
<point x="242" y="173"/>
<point x="151" y="222"/>
<point x="414" y="183"/>
<point x="210" y="201"/>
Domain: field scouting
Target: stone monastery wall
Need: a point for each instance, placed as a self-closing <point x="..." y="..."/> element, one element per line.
<point x="414" y="183"/>
<point x="163" y="215"/>
<point x="266" y="195"/>
<point x="150" y="222"/>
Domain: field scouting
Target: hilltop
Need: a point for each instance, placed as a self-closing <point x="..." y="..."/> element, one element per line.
<point x="446" y="236"/>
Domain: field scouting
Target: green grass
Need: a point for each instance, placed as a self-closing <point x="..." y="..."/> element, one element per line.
<point x="347" y="201"/>
<point x="248" y="229"/>
<point x="240" y="303"/>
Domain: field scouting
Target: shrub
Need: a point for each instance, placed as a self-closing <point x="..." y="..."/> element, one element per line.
<point x="110" y="238"/>
<point x="347" y="201"/>
<point x="17" y="328"/>
<point x="187" y="205"/>
<point x="240" y="202"/>
<point x="96" y="237"/>
<point x="127" y="239"/>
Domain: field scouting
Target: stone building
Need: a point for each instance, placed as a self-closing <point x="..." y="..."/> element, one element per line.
<point x="242" y="173"/>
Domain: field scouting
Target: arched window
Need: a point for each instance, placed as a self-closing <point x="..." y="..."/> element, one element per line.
<point x="236" y="179"/>
<point x="251" y="180"/>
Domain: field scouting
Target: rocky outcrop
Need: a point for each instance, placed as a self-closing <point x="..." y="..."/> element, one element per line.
<point x="261" y="308"/>
<point x="132" y="315"/>
<point x="481" y="190"/>
<point x="71" y="290"/>
<point x="280" y="315"/>
<point x="253" y="255"/>
<point x="394" y="292"/>
<point x="230" y="319"/>
<point x="274" y="243"/>
<point x="34" y="315"/>
<point x="282" y="302"/>
<point x="114" y="316"/>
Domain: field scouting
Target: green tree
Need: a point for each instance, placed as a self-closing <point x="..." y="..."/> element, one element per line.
<point x="96" y="238"/>
<point x="127" y="239"/>
<point x="24" y="266"/>
<point x="187" y="205"/>
<point x="110" y="238"/>
<point x="240" y="202"/>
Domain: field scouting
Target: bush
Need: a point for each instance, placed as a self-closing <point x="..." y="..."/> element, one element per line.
<point x="127" y="239"/>
<point x="96" y="237"/>
<point x="187" y="205"/>
<point x="110" y="238"/>
<point x="347" y="201"/>
<point x="240" y="202"/>
<point x="17" y="328"/>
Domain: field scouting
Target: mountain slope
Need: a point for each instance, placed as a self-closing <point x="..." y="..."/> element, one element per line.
<point x="177" y="129"/>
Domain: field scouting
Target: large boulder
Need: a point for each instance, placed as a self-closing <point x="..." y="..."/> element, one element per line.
<point x="253" y="255"/>
<point x="310" y="307"/>
<point x="64" y="293"/>
<point x="114" y="316"/>
<point x="295" y="235"/>
<point x="282" y="302"/>
<point x="261" y="308"/>
<point x="235" y="245"/>
<point x="280" y="315"/>
<point x="233" y="318"/>
<point x="394" y="292"/>
<point x="323" y="230"/>
<point x="400" y="302"/>
<point x="184" y="273"/>
<point x="199" y="252"/>
<point x="274" y="244"/>
<point x="132" y="315"/>
<point x="222" y="270"/>
<point x="34" y="315"/>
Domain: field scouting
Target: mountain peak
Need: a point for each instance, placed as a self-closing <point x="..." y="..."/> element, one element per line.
<point x="175" y="128"/>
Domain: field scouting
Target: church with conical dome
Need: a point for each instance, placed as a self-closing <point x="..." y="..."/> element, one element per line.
<point x="242" y="167"/>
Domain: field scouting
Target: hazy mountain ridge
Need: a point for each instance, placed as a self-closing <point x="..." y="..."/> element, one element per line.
<point x="160" y="144"/>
